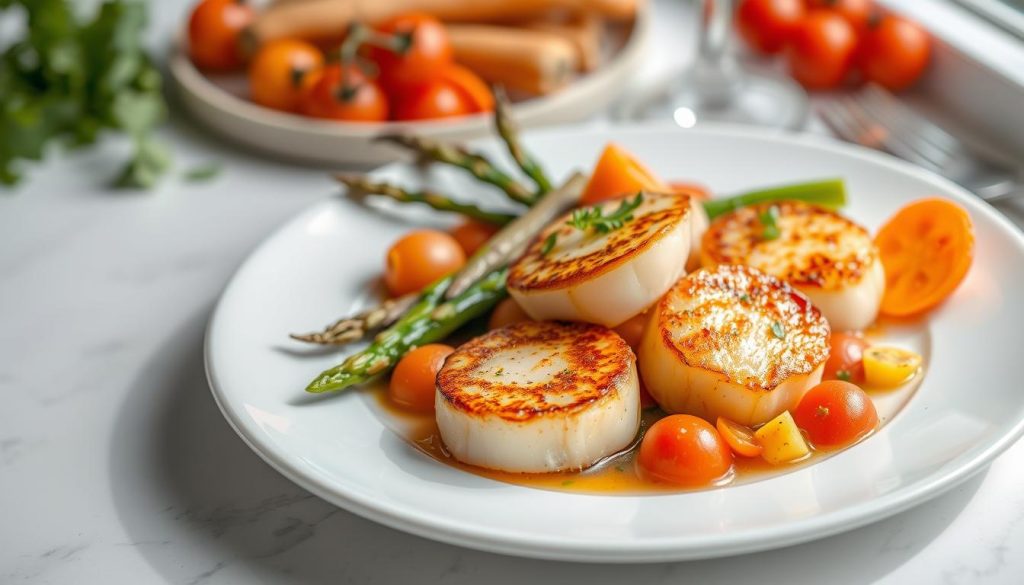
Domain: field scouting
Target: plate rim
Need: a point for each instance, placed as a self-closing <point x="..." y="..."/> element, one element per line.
<point x="668" y="549"/>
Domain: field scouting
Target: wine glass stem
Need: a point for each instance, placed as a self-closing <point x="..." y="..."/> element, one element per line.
<point x="715" y="70"/>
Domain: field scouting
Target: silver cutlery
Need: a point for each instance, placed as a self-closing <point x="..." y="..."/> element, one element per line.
<point x="875" y="118"/>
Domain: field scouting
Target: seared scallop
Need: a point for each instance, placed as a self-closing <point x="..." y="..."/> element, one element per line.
<point x="828" y="257"/>
<point x="732" y="341"/>
<point x="605" y="277"/>
<point x="539" y="397"/>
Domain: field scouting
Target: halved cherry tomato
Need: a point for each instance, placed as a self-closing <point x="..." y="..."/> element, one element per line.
<point x="856" y="12"/>
<point x="213" y="30"/>
<point x="846" y="358"/>
<point x="279" y="74"/>
<point x="507" y="313"/>
<point x="835" y="414"/>
<point x="926" y="249"/>
<point x="821" y="50"/>
<point x="617" y="174"/>
<point x="632" y="331"/>
<point x="414" y="379"/>
<point x="472" y="234"/>
<point x="695" y="190"/>
<point x="766" y="25"/>
<point x="421" y="53"/>
<point x="894" y="52"/>
<point x="419" y="258"/>
<point x="684" y="450"/>
<point x="350" y="96"/>
<point x="740" y="438"/>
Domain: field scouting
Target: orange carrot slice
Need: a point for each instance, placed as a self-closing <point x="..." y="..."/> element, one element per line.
<point x="619" y="174"/>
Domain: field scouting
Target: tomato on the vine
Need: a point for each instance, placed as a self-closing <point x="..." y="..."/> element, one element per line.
<point x="213" y="30"/>
<point x="456" y="91"/>
<point x="421" y="50"/>
<point x="894" y="52"/>
<point x="766" y="25"/>
<point x="282" y="71"/>
<point x="345" y="94"/>
<point x="821" y="50"/>
<point x="856" y="12"/>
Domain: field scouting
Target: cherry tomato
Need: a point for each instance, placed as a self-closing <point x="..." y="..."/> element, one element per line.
<point x="350" y="97"/>
<point x="419" y="258"/>
<point x="473" y="88"/>
<point x="456" y="91"/>
<point x="766" y="25"/>
<point x="413" y="381"/>
<point x="821" y="50"/>
<point x="279" y="74"/>
<point x="846" y="358"/>
<point x="856" y="12"/>
<point x="423" y="51"/>
<point x="894" y="52"/>
<point x="740" y="438"/>
<point x="632" y="331"/>
<point x="507" y="312"/>
<point x="472" y="234"/>
<point x="835" y="414"/>
<point x="213" y="30"/>
<point x="684" y="450"/>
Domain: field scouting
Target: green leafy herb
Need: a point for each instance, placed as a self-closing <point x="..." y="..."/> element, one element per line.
<point x="594" y="218"/>
<point x="844" y="375"/>
<point x="549" y="244"/>
<point x="769" y="219"/>
<point x="777" y="330"/>
<point x="203" y="172"/>
<point x="66" y="81"/>
<point x="744" y="297"/>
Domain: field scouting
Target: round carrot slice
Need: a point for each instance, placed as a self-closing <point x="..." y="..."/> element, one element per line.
<point x="619" y="174"/>
<point x="926" y="249"/>
<point x="739" y="438"/>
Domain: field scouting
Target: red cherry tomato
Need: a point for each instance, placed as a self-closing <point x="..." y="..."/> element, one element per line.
<point x="280" y="73"/>
<point x="821" y="50"/>
<point x="894" y="52"/>
<point x="419" y="258"/>
<point x="684" y="450"/>
<point x="472" y="234"/>
<point x="473" y="88"/>
<point x="856" y="12"/>
<point x="422" y="51"/>
<point x="766" y="25"/>
<point x="846" y="358"/>
<point x="413" y="381"/>
<point x="835" y="414"/>
<point x="350" y="97"/>
<point x="213" y="30"/>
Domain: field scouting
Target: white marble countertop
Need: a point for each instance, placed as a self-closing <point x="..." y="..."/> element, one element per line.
<point x="116" y="467"/>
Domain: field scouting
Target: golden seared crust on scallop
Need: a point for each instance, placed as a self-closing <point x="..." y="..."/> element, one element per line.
<point x="535" y="369"/>
<point x="748" y="327"/>
<point x="580" y="255"/>
<point x="815" y="248"/>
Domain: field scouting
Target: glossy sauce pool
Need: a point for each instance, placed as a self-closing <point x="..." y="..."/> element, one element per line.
<point x="618" y="474"/>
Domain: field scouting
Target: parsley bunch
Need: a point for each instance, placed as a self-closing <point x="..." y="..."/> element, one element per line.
<point x="67" y="81"/>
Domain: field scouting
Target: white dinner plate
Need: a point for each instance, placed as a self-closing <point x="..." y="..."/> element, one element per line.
<point x="325" y="262"/>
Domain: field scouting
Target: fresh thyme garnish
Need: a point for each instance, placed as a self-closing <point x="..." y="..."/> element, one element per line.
<point x="594" y="217"/>
<point x="769" y="219"/>
<point x="777" y="330"/>
<point x="744" y="297"/>
<point x="549" y="244"/>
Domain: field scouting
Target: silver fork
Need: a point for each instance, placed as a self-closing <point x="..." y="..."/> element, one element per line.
<point x="875" y="118"/>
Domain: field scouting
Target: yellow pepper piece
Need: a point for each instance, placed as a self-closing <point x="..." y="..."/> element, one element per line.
<point x="781" y="440"/>
<point x="887" y="366"/>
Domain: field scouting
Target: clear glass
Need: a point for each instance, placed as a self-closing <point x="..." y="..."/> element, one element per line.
<point x="717" y="88"/>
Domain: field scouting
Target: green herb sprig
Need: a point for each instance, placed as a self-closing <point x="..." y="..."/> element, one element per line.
<point x="769" y="218"/>
<point x="594" y="217"/>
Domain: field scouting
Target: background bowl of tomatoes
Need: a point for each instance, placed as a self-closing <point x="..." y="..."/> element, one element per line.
<point x="294" y="94"/>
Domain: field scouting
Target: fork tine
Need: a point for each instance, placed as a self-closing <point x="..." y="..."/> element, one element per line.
<point x="897" y="115"/>
<point x="891" y="141"/>
<point x="839" y="120"/>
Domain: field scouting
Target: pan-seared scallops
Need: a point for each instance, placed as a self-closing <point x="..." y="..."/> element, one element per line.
<point x="732" y="341"/>
<point x="587" y="275"/>
<point x="830" y="258"/>
<point x="539" y="397"/>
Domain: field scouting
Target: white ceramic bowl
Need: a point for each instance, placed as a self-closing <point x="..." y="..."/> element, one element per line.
<point x="219" y="104"/>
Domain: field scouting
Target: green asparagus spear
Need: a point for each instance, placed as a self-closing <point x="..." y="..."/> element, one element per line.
<point x="510" y="134"/>
<point x="829" y="193"/>
<point x="362" y="185"/>
<point x="428" y="321"/>
<point x="476" y="164"/>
